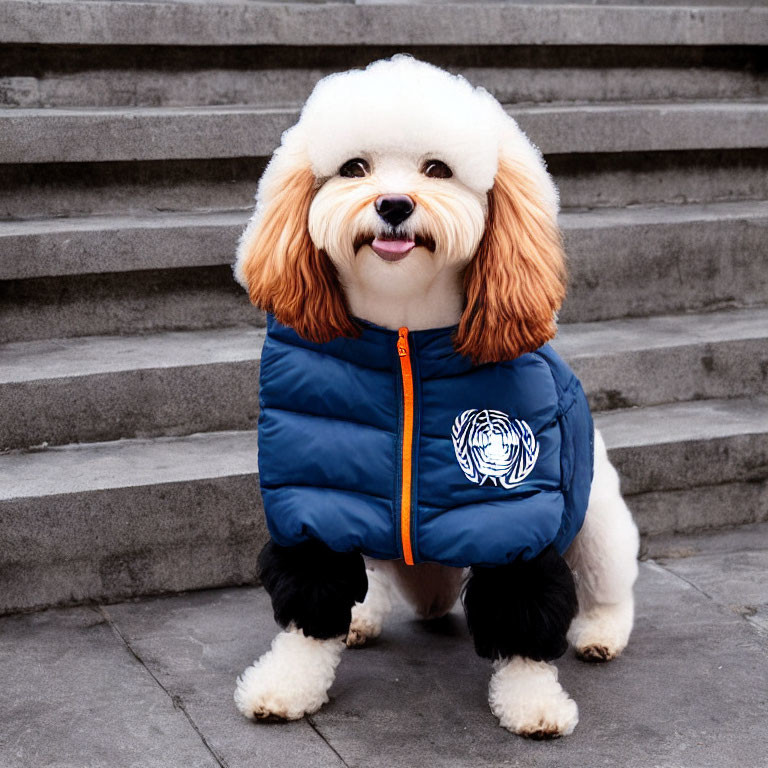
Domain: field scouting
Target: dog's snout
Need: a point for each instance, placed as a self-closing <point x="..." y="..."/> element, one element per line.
<point x="394" y="209"/>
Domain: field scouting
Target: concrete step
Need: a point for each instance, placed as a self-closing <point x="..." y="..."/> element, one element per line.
<point x="664" y="359"/>
<point x="621" y="179"/>
<point x="150" y="76"/>
<point x="100" y="244"/>
<point x="105" y="388"/>
<point x="123" y="303"/>
<point x="689" y="257"/>
<point x="690" y="466"/>
<point x="169" y="240"/>
<point x="162" y="133"/>
<point x="140" y="516"/>
<point x="128" y="517"/>
<point x="672" y="246"/>
<point x="58" y="190"/>
<point x="303" y="24"/>
<point x="145" y="188"/>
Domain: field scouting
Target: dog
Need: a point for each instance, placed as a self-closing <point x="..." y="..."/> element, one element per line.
<point x="405" y="247"/>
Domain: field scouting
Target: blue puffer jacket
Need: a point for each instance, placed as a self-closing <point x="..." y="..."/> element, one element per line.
<point x="394" y="445"/>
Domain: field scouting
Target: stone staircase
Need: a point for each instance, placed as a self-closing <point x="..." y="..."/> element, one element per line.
<point x="132" y="136"/>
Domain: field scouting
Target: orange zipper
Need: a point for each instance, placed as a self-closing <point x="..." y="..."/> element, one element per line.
<point x="406" y="372"/>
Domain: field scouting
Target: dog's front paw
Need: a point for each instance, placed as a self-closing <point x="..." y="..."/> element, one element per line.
<point x="602" y="632"/>
<point x="291" y="679"/>
<point x="364" y="627"/>
<point x="528" y="700"/>
<point x="368" y="616"/>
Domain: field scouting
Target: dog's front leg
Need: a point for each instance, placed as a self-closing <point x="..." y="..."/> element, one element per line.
<point x="604" y="558"/>
<point x="313" y="590"/>
<point x="519" y="616"/>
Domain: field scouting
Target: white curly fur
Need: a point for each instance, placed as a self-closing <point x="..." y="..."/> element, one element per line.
<point x="528" y="700"/>
<point x="405" y="107"/>
<point x="291" y="679"/>
<point x="368" y="616"/>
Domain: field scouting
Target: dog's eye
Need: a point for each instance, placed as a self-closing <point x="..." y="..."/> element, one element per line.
<point x="437" y="169"/>
<point x="355" y="168"/>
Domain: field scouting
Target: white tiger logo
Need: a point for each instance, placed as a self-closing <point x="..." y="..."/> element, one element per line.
<point x="491" y="446"/>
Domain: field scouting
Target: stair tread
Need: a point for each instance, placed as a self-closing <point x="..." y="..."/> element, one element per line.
<point x="639" y="215"/>
<point x="117" y="221"/>
<point x="127" y="463"/>
<point x="572" y="218"/>
<point x="604" y="337"/>
<point x="81" y="468"/>
<point x="682" y="105"/>
<point x="213" y="234"/>
<point x="682" y="422"/>
<point x="89" y="355"/>
<point x="155" y="133"/>
<point x="93" y="355"/>
<point x="239" y="23"/>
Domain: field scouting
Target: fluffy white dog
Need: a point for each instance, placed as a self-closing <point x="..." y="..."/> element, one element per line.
<point x="407" y="198"/>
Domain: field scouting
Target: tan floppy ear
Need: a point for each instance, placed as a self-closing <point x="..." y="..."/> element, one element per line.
<point x="285" y="273"/>
<point x="516" y="281"/>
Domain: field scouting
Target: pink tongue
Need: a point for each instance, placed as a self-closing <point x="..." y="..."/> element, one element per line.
<point x="392" y="246"/>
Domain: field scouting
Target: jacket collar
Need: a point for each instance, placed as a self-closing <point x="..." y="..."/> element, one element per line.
<point x="376" y="348"/>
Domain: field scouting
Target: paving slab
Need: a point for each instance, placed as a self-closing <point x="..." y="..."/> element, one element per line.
<point x="73" y="696"/>
<point x="196" y="645"/>
<point x="679" y="698"/>
<point x="729" y="567"/>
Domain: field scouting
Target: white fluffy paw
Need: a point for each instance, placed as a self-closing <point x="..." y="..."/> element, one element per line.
<point x="528" y="700"/>
<point x="368" y="616"/>
<point x="361" y="630"/>
<point x="291" y="679"/>
<point x="602" y="632"/>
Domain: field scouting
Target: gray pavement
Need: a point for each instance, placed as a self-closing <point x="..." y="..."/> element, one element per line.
<point x="149" y="683"/>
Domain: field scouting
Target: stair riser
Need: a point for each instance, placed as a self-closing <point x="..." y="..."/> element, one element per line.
<point x="127" y="247"/>
<point x="705" y="507"/>
<point x="118" y="76"/>
<point x="224" y="396"/>
<point x="398" y="24"/>
<point x="689" y="464"/>
<point x="39" y="191"/>
<point x="123" y="303"/>
<point x="135" y="541"/>
<point x="631" y="178"/>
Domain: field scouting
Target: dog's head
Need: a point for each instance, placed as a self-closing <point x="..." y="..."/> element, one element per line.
<point x="396" y="175"/>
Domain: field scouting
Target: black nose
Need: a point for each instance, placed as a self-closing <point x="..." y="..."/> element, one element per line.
<point x="394" y="209"/>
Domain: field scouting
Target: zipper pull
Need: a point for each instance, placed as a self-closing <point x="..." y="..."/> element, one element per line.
<point x="402" y="342"/>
